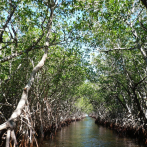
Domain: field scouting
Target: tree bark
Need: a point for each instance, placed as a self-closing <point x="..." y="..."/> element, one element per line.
<point x="10" y="123"/>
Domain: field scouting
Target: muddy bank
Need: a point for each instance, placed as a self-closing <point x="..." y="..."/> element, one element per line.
<point x="137" y="132"/>
<point x="40" y="133"/>
<point x="50" y="131"/>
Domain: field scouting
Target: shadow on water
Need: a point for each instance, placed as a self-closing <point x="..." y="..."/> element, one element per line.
<point x="86" y="133"/>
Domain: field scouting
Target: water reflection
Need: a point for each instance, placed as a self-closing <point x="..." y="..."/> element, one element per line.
<point x="86" y="133"/>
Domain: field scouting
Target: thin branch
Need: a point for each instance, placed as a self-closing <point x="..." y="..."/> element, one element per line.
<point x="11" y="56"/>
<point x="5" y="25"/>
<point x="136" y="84"/>
<point x="1" y="48"/>
<point x="21" y="52"/>
<point x="109" y="50"/>
<point x="143" y="26"/>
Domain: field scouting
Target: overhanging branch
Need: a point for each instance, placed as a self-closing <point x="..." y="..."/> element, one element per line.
<point x="114" y="49"/>
<point x="24" y="97"/>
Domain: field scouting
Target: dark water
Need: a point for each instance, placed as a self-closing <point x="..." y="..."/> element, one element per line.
<point x="86" y="133"/>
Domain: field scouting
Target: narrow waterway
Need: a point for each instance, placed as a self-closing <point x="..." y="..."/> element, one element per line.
<point x="86" y="133"/>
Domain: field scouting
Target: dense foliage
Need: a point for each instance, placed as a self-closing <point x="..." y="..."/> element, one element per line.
<point x="45" y="77"/>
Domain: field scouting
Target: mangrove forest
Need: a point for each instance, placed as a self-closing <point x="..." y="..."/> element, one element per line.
<point x="61" y="60"/>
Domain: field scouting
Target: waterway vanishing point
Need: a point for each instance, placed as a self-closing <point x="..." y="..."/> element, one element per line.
<point x="86" y="133"/>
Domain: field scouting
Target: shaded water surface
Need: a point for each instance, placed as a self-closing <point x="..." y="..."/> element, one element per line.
<point x="86" y="133"/>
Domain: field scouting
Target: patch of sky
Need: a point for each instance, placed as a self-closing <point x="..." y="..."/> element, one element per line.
<point x="68" y="18"/>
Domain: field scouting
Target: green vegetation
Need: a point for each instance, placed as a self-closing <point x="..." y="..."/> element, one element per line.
<point x="45" y="78"/>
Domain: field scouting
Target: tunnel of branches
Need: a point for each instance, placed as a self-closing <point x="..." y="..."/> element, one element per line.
<point x="61" y="60"/>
